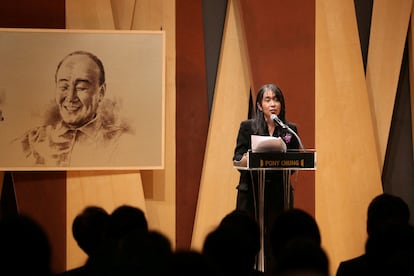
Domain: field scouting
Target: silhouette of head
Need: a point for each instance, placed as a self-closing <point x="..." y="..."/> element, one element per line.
<point x="24" y="247"/>
<point x="89" y="228"/>
<point x="125" y="219"/>
<point x="390" y="249"/>
<point x="302" y="256"/>
<point x="386" y="208"/>
<point x="188" y="262"/>
<point x="143" y="253"/>
<point x="234" y="244"/>
<point x="291" y="224"/>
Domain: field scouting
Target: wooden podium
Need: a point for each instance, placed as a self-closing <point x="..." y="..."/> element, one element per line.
<point x="293" y="160"/>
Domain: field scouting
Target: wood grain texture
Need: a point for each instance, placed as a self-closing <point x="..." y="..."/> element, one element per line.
<point x="149" y="14"/>
<point x="390" y="20"/>
<point x="192" y="114"/>
<point x="411" y="69"/>
<point x="154" y="192"/>
<point x="160" y="185"/>
<point x="280" y="39"/>
<point x="1" y="182"/>
<point x="88" y="187"/>
<point x="108" y="190"/>
<point x="217" y="196"/>
<point x="123" y="13"/>
<point x="41" y="195"/>
<point x="91" y="14"/>
<point x="347" y="175"/>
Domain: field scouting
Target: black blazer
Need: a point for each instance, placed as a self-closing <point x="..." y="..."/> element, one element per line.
<point x="243" y="144"/>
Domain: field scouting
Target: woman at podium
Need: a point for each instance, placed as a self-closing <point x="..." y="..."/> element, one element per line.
<point x="269" y="102"/>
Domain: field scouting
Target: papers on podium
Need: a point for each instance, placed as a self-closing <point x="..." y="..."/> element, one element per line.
<point x="262" y="144"/>
<point x="267" y="144"/>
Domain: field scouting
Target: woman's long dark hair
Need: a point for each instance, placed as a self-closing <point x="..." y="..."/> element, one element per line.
<point x="259" y="120"/>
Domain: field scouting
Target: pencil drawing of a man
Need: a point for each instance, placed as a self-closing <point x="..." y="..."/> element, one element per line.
<point x="80" y="133"/>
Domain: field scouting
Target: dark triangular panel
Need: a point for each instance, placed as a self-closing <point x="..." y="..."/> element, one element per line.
<point x="398" y="170"/>
<point x="363" y="11"/>
<point x="252" y="108"/>
<point x="214" y="16"/>
<point x="8" y="204"/>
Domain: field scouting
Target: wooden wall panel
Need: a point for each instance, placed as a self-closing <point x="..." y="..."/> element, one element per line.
<point x="123" y="12"/>
<point x="387" y="41"/>
<point x="214" y="16"/>
<point x="40" y="195"/>
<point x="115" y="188"/>
<point x="159" y="185"/>
<point x="107" y="189"/>
<point x="192" y="114"/>
<point x="217" y="196"/>
<point x="411" y="69"/>
<point x="1" y="182"/>
<point x="280" y="37"/>
<point x="91" y="14"/>
<point x="348" y="176"/>
<point x="8" y="204"/>
<point x="148" y="15"/>
<point x="95" y="15"/>
<point x="32" y="14"/>
<point x="398" y="169"/>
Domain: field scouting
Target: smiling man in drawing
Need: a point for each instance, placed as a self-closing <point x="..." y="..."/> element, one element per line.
<point x="81" y="133"/>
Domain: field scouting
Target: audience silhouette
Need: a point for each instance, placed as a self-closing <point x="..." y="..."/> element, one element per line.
<point x="387" y="216"/>
<point x="24" y="247"/>
<point x="302" y="256"/>
<point x="124" y="222"/>
<point x="120" y="243"/>
<point x="142" y="253"/>
<point x="233" y="246"/>
<point x="125" y="219"/>
<point x="390" y="250"/>
<point x="89" y="229"/>
<point x="296" y="245"/>
<point x="103" y="237"/>
<point x="190" y="262"/>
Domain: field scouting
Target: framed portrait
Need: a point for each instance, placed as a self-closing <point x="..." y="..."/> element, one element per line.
<point x="82" y="100"/>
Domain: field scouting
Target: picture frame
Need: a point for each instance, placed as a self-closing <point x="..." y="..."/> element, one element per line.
<point x="41" y="81"/>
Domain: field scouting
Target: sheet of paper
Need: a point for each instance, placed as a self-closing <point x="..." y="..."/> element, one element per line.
<point x="267" y="143"/>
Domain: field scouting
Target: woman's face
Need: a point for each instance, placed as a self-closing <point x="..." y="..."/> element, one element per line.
<point x="270" y="104"/>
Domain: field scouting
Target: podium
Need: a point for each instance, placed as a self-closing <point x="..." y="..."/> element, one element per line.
<point x="287" y="162"/>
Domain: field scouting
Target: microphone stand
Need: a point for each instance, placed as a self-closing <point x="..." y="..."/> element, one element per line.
<point x="285" y="126"/>
<point x="297" y="137"/>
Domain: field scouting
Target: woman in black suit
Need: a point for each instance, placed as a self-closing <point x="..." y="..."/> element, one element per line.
<point x="269" y="101"/>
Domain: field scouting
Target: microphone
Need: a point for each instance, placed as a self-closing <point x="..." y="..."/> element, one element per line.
<point x="274" y="117"/>
<point x="283" y="125"/>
